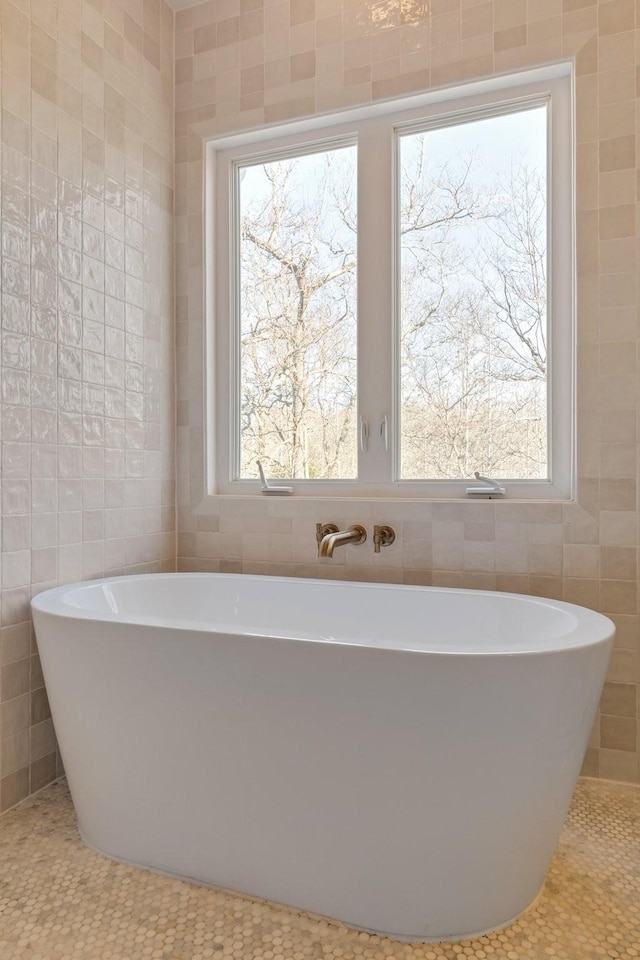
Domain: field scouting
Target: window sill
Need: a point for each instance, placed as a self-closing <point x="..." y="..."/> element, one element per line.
<point x="518" y="492"/>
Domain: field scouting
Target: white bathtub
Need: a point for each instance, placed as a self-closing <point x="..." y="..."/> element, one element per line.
<point x="398" y="758"/>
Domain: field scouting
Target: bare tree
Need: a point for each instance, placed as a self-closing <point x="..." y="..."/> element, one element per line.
<point x="513" y="277"/>
<point x="473" y="325"/>
<point x="298" y="332"/>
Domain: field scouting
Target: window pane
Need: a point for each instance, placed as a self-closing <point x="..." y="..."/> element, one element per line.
<point x="473" y="222"/>
<point x="297" y="315"/>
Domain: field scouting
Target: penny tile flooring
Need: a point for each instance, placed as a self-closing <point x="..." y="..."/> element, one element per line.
<point x="61" y="901"/>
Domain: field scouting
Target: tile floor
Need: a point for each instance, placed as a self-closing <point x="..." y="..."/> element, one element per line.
<point x="61" y="901"/>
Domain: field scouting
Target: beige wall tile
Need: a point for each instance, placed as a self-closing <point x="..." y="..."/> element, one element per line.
<point x="619" y="699"/>
<point x="89" y="104"/>
<point x="618" y="765"/>
<point x="323" y="57"/>
<point x="618" y="733"/>
<point x="618" y="153"/>
<point x="507" y="39"/>
<point x="619" y="563"/>
<point x="616" y="16"/>
<point x="14" y="788"/>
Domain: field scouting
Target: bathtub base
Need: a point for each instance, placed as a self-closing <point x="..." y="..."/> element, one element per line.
<point x="454" y="938"/>
<point x="400" y="938"/>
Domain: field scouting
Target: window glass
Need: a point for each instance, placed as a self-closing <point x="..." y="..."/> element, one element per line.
<point x="297" y="315"/>
<point x="473" y="298"/>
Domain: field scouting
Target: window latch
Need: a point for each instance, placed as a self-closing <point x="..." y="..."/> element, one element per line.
<point x="364" y="434"/>
<point x="491" y="488"/>
<point x="269" y="488"/>
<point x="384" y="432"/>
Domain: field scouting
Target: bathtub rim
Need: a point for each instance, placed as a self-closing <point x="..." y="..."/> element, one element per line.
<point x="593" y="627"/>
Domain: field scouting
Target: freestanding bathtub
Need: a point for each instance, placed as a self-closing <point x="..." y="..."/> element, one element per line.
<point x="398" y="758"/>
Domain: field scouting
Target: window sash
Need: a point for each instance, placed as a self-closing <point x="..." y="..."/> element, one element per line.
<point x="455" y="120"/>
<point x="377" y="134"/>
<point x="235" y="171"/>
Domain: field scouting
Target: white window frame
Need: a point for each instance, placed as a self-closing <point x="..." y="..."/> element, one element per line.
<point x="378" y="307"/>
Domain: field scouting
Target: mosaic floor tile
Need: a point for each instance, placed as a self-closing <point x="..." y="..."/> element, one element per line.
<point x="61" y="901"/>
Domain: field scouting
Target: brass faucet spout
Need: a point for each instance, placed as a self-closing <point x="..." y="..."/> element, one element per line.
<point x="323" y="530"/>
<point x="355" y="534"/>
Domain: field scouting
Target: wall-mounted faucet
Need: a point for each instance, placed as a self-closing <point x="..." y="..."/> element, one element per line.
<point x="329" y="537"/>
<point x="383" y="536"/>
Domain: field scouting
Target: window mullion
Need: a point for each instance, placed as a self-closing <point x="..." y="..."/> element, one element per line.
<point x="375" y="297"/>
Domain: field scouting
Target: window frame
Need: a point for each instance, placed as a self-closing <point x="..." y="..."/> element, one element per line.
<point x="377" y="129"/>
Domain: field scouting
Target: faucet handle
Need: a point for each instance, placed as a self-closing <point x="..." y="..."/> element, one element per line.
<point x="383" y="536"/>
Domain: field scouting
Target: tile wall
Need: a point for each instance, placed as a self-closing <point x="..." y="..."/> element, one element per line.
<point x="243" y="63"/>
<point x="87" y="400"/>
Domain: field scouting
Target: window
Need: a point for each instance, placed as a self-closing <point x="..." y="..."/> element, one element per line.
<point x="391" y="297"/>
